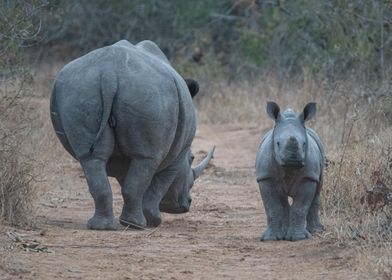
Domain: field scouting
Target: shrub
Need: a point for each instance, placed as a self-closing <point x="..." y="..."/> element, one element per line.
<point x="19" y="26"/>
<point x="16" y="189"/>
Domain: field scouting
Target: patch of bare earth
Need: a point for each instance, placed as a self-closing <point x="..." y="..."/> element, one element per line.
<point x="217" y="239"/>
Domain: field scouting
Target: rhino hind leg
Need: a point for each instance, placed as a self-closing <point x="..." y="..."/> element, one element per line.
<point x="151" y="201"/>
<point x="135" y="184"/>
<point x="153" y="196"/>
<point x="277" y="211"/>
<point x="150" y="211"/>
<point x="153" y="216"/>
<point x="313" y="224"/>
<point x="98" y="183"/>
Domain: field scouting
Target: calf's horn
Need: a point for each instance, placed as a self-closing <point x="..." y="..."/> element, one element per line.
<point x="203" y="164"/>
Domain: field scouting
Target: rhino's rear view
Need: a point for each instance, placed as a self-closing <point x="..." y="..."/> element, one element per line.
<point x="123" y="111"/>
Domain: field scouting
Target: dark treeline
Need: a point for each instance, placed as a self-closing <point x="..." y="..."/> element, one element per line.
<point x="331" y="37"/>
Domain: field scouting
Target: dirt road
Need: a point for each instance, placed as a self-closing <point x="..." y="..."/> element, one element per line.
<point x="217" y="239"/>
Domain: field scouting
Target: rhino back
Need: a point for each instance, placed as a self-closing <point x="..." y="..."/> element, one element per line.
<point x="152" y="49"/>
<point x="153" y="110"/>
<point x="146" y="46"/>
<point x="147" y="104"/>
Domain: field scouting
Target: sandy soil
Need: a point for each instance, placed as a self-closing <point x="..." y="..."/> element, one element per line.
<point x="217" y="239"/>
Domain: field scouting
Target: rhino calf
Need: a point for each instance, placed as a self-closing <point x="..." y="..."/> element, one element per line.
<point x="289" y="163"/>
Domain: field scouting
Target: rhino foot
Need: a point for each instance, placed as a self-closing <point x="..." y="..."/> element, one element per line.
<point x="297" y="235"/>
<point x="317" y="228"/>
<point x="153" y="217"/>
<point x="102" y="223"/>
<point x="133" y="221"/>
<point x="272" y="235"/>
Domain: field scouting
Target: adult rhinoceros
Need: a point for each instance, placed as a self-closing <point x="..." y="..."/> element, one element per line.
<point x="123" y="111"/>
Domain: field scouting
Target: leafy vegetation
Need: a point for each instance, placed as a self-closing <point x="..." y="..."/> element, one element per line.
<point x="290" y="37"/>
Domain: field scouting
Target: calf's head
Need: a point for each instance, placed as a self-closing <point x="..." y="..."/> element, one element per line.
<point x="289" y="135"/>
<point x="178" y="200"/>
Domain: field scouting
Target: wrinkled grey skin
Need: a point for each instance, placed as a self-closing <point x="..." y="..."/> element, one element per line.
<point x="123" y="111"/>
<point x="289" y="163"/>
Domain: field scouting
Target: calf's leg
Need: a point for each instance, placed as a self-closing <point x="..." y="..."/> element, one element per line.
<point x="277" y="209"/>
<point x="303" y="195"/>
<point x="313" y="223"/>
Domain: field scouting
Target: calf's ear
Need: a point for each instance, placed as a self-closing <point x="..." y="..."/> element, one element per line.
<point x="273" y="110"/>
<point x="309" y="112"/>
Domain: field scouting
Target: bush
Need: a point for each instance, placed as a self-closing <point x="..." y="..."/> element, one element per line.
<point x="19" y="27"/>
<point x="16" y="189"/>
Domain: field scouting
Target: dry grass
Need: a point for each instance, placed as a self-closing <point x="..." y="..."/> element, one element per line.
<point x="16" y="191"/>
<point x="24" y="148"/>
<point x="375" y="261"/>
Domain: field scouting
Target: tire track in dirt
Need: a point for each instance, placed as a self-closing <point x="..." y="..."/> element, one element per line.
<point x="217" y="239"/>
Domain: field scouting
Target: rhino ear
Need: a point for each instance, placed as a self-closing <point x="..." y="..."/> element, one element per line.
<point x="193" y="86"/>
<point x="273" y="110"/>
<point x="309" y="112"/>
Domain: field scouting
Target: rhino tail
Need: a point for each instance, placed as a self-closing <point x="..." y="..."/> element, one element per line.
<point x="108" y="91"/>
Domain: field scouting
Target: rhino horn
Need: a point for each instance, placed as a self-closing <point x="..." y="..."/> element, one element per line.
<point x="203" y="164"/>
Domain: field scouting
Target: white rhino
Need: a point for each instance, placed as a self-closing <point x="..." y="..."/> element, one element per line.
<point x="290" y="162"/>
<point x="123" y="111"/>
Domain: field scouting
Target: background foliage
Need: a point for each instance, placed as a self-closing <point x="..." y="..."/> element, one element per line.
<point x="330" y="37"/>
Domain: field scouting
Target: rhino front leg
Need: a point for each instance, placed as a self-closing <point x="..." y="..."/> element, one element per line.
<point x="313" y="223"/>
<point x="98" y="183"/>
<point x="136" y="182"/>
<point x="302" y="195"/>
<point x="277" y="211"/>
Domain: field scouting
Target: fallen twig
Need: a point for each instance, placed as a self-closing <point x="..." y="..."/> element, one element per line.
<point x="27" y="245"/>
<point x="153" y="231"/>
<point x="129" y="224"/>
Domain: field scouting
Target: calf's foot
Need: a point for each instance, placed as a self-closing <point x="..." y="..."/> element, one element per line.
<point x="297" y="234"/>
<point x="315" y="228"/>
<point x="272" y="235"/>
